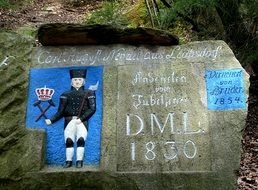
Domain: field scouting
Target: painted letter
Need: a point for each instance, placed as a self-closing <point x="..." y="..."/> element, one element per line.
<point x="162" y="127"/>
<point x="128" y="124"/>
<point x="185" y="125"/>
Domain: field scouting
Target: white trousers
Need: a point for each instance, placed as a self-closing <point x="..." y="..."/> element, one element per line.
<point x="75" y="131"/>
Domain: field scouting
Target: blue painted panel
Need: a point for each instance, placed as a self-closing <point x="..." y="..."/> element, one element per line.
<point x="225" y="89"/>
<point x="59" y="80"/>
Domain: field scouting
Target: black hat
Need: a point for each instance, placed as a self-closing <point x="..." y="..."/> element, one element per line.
<point x="78" y="73"/>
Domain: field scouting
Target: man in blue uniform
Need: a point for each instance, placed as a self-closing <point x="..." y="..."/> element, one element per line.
<point x="76" y="106"/>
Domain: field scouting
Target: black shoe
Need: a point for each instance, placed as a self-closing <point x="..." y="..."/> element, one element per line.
<point x="68" y="164"/>
<point x="79" y="164"/>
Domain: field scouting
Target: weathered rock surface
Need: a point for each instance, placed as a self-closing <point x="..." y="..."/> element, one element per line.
<point x="208" y="141"/>
<point x="19" y="151"/>
<point x="75" y="34"/>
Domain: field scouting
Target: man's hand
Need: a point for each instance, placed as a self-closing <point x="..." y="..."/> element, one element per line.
<point x="48" y="121"/>
<point x="78" y="121"/>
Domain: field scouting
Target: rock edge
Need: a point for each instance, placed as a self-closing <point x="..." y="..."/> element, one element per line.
<point x="56" y="34"/>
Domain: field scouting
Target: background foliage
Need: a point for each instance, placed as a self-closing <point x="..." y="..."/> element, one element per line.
<point x="234" y="21"/>
<point x="14" y="4"/>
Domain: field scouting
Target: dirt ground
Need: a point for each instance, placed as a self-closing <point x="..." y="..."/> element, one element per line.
<point x="46" y="11"/>
<point x="52" y="11"/>
<point x="248" y="172"/>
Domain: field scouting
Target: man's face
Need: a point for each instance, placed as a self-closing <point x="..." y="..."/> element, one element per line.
<point x="77" y="82"/>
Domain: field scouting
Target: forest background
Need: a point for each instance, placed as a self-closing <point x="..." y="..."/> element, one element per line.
<point x="234" y="21"/>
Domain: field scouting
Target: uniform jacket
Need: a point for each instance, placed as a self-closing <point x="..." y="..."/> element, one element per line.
<point x="71" y="104"/>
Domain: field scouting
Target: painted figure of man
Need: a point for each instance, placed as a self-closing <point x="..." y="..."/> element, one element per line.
<point x="76" y="106"/>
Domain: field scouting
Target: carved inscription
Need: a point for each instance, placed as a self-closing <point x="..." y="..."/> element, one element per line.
<point x="161" y="96"/>
<point x="172" y="148"/>
<point x="105" y="56"/>
<point x="6" y="61"/>
<point x="160" y="120"/>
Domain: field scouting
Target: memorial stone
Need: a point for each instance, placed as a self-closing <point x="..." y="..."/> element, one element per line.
<point x="167" y="116"/>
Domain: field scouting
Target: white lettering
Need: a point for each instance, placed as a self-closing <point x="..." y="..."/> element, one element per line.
<point x="128" y="124"/>
<point x="133" y="151"/>
<point x="41" y="58"/>
<point x="150" y="78"/>
<point x="194" y="150"/>
<point x="155" y="120"/>
<point x="74" y="56"/>
<point x="6" y="62"/>
<point x="185" y="125"/>
<point x="173" y="148"/>
<point x="150" y="154"/>
<point x="163" y="100"/>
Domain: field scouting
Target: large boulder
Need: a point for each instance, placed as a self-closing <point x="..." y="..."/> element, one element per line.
<point x="172" y="115"/>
